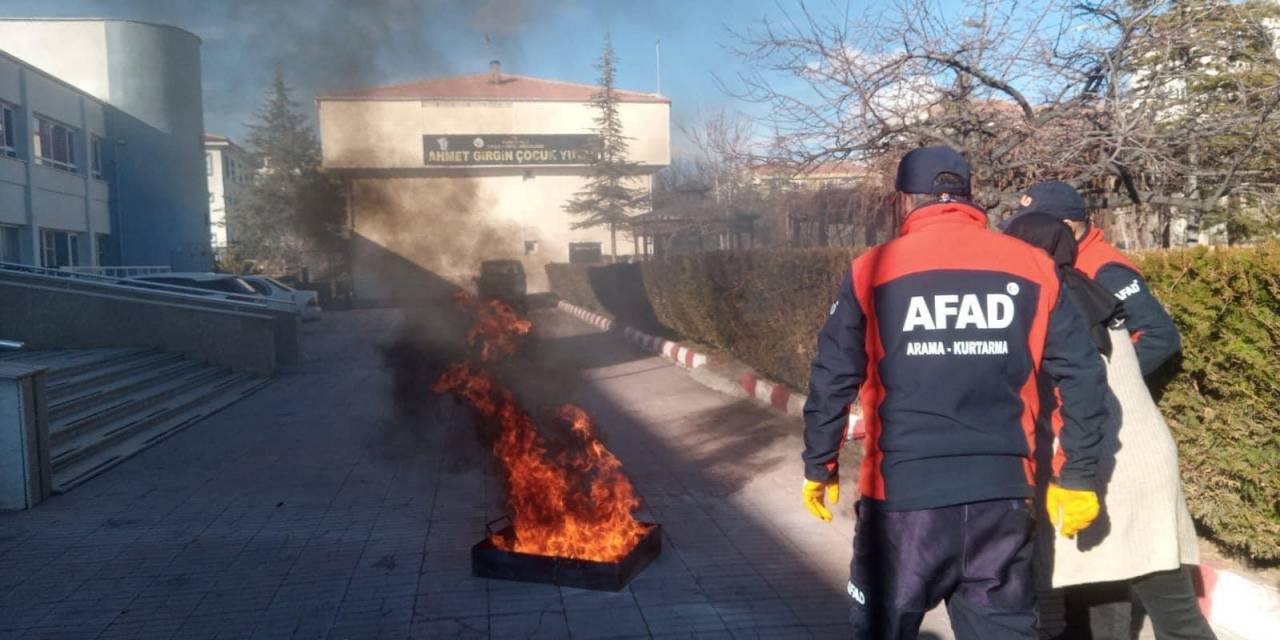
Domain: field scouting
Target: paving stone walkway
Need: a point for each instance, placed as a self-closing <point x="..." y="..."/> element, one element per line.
<point x="318" y="508"/>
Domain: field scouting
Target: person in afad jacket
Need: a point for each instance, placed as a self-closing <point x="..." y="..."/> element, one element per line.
<point x="941" y="334"/>
<point x="1150" y="327"/>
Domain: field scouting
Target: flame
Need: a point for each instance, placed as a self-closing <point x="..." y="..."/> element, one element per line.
<point x="576" y="503"/>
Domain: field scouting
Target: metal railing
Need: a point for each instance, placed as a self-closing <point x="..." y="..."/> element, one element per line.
<point x="179" y="292"/>
<point x="120" y="272"/>
<point x="11" y="344"/>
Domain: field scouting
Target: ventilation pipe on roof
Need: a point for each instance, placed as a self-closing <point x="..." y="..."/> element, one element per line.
<point x="495" y="72"/>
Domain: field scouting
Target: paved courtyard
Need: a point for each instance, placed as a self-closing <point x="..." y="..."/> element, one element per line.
<point x="312" y="509"/>
<point x="319" y="508"/>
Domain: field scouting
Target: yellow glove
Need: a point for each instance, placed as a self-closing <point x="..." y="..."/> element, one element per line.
<point x="813" y="494"/>
<point x="1070" y="510"/>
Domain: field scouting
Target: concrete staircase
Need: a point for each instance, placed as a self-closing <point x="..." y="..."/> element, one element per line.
<point x="106" y="405"/>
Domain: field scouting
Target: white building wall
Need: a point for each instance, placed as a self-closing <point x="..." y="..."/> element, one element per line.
<point x="36" y="197"/>
<point x="74" y="51"/>
<point x="217" y="197"/>
<point x="13" y="172"/>
<point x="385" y="134"/>
<point x="407" y="216"/>
<point x="226" y="188"/>
<point x="149" y="74"/>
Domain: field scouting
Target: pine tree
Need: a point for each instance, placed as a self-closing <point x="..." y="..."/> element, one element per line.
<point x="609" y="197"/>
<point x="291" y="207"/>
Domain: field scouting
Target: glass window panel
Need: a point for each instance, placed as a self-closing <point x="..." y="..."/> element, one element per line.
<point x="59" y="152"/>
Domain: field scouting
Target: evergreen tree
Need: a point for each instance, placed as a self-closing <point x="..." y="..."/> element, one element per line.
<point x="291" y="207"/>
<point x="609" y="195"/>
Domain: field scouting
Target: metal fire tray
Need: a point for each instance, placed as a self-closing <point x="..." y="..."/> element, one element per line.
<point x="488" y="561"/>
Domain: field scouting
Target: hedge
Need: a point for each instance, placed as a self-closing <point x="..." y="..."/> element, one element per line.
<point x="1222" y="400"/>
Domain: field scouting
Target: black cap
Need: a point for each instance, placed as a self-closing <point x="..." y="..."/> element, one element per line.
<point x="1055" y="198"/>
<point x="933" y="170"/>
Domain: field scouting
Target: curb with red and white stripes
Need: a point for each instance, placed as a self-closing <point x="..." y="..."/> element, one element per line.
<point x="1237" y="604"/>
<point x="784" y="399"/>
<point x="773" y="394"/>
<point x="673" y="351"/>
<point x="1230" y="601"/>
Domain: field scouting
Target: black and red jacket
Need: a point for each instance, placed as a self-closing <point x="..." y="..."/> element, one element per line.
<point x="945" y="330"/>
<point x="1155" y="337"/>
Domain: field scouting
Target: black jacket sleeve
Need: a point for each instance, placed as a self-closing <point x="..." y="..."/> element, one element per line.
<point x="838" y="370"/>
<point x="1157" y="337"/>
<point x="1074" y="364"/>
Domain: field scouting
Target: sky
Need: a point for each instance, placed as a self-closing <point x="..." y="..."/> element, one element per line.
<point x="326" y="45"/>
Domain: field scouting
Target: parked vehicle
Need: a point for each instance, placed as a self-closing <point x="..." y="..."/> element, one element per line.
<point x="306" y="302"/>
<point x="502" y="279"/>
<point x="223" y="285"/>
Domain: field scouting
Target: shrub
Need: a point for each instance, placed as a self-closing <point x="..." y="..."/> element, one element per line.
<point x="1223" y="402"/>
<point x="765" y="307"/>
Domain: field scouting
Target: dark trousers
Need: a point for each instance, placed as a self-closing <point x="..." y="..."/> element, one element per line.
<point x="1113" y="610"/>
<point x="976" y="557"/>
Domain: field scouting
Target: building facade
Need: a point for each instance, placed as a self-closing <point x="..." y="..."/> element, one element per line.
<point x="106" y="121"/>
<point x="229" y="169"/>
<point x="442" y="174"/>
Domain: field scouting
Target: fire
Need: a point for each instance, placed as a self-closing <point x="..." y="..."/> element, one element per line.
<point x="575" y="503"/>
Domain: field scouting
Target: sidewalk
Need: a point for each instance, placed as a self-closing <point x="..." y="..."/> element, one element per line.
<point x="311" y="510"/>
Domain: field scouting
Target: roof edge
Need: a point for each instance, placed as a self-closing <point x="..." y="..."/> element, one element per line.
<point x="656" y="99"/>
<point x="55" y="79"/>
<point x="648" y="97"/>
<point x="103" y="20"/>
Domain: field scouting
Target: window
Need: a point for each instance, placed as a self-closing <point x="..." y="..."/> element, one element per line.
<point x="10" y="243"/>
<point x="585" y="252"/>
<point x="208" y="163"/>
<point x="53" y="144"/>
<point x="103" y="246"/>
<point x="8" y="135"/>
<point x="95" y="156"/>
<point x="59" y="249"/>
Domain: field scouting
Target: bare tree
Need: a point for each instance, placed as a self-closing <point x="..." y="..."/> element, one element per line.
<point x="1078" y="91"/>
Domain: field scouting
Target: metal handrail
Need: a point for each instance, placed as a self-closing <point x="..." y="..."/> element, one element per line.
<point x="187" y="293"/>
<point x="12" y="344"/>
<point x="120" y="272"/>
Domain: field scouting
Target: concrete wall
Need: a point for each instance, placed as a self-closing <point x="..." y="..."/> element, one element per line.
<point x="155" y="83"/>
<point x="54" y="316"/>
<point x="149" y="76"/>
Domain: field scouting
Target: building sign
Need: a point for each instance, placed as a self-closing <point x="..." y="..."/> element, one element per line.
<point x="480" y="150"/>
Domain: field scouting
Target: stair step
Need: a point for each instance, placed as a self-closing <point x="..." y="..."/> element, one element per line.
<point x="95" y="396"/>
<point x="88" y="442"/>
<point x="71" y="426"/>
<point x="79" y="362"/>
<point x="68" y="362"/>
<point x="64" y="385"/>
<point x="130" y="438"/>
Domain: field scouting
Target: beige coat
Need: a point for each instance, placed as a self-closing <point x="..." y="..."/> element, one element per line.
<point x="1144" y="526"/>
